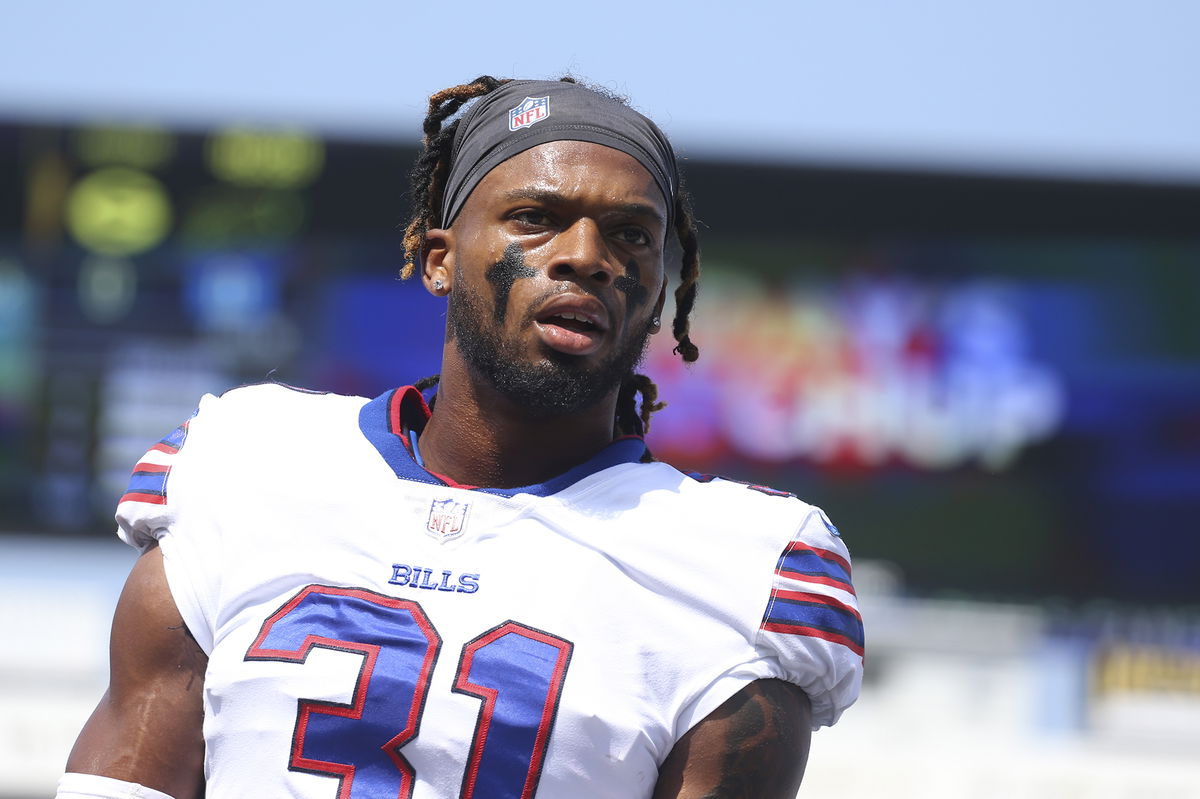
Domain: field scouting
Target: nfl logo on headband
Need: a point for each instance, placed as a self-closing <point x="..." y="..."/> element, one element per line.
<point x="531" y="111"/>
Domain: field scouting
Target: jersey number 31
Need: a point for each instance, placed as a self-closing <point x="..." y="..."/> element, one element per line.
<point x="516" y="671"/>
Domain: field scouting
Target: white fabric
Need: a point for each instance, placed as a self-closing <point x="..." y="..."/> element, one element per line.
<point x="91" y="786"/>
<point x="659" y="581"/>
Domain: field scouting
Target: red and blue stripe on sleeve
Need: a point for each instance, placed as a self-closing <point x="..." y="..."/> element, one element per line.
<point x="813" y="596"/>
<point x="148" y="483"/>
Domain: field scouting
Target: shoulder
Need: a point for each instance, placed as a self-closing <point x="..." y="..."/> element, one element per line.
<point x="273" y="397"/>
<point x="251" y="425"/>
<point x="727" y="500"/>
<point x="722" y="513"/>
<point x="810" y="524"/>
<point x="797" y="537"/>
<point x="731" y="489"/>
<point x="796" y="572"/>
<point x="270" y="408"/>
<point x="266" y="429"/>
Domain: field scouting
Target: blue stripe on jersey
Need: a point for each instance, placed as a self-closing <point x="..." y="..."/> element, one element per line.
<point x="148" y="483"/>
<point x="383" y="419"/>
<point x="176" y="438"/>
<point x="804" y="563"/>
<point x="174" y="441"/>
<point x="809" y="611"/>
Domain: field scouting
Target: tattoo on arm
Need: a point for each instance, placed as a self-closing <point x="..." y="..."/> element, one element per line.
<point x="752" y="747"/>
<point x="762" y="741"/>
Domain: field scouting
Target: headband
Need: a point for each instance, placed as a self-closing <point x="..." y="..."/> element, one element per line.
<point x="522" y="114"/>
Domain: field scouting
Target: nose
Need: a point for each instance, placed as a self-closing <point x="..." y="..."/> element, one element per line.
<point x="581" y="253"/>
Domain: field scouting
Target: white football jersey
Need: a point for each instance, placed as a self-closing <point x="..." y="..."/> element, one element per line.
<point x="374" y="630"/>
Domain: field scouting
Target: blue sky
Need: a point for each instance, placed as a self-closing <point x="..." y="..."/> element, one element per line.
<point x="1076" y="87"/>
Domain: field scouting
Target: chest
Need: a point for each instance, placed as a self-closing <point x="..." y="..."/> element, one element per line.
<point x="438" y="644"/>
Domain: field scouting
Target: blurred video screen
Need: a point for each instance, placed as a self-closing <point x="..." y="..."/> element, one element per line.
<point x="992" y="385"/>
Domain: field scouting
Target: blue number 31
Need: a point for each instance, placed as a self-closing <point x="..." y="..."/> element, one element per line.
<point x="515" y="670"/>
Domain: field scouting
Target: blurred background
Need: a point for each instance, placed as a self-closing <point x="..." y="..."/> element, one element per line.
<point x="951" y="294"/>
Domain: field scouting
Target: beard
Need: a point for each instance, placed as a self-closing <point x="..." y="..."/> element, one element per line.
<point x="558" y="385"/>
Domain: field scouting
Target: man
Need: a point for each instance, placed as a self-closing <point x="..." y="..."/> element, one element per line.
<point x="503" y="595"/>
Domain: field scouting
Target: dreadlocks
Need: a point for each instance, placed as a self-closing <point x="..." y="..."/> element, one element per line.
<point x="428" y="182"/>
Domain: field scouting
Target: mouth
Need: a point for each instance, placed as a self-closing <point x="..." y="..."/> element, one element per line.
<point x="573" y="325"/>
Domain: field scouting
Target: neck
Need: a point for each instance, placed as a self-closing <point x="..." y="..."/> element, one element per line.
<point x="477" y="436"/>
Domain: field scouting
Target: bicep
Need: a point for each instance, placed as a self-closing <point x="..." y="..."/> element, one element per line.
<point x="148" y="726"/>
<point x="754" y="746"/>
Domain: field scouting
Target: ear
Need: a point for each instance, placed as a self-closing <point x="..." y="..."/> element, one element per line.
<point x="437" y="261"/>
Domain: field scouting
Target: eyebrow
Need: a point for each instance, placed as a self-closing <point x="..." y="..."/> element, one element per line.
<point x="553" y="197"/>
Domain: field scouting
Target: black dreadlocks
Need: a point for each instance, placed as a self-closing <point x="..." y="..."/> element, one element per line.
<point x="429" y="180"/>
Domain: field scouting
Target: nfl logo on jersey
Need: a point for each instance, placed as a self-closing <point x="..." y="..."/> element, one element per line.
<point x="446" y="518"/>
<point x="531" y="111"/>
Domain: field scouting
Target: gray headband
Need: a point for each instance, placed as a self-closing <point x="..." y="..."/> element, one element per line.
<point x="525" y="113"/>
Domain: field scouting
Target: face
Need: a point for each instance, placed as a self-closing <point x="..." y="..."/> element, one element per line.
<point x="554" y="269"/>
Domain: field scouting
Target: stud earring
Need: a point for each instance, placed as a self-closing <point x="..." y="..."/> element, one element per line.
<point x="656" y="322"/>
<point x="437" y="285"/>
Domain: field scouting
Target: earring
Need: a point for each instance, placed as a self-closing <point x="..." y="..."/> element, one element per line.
<point x="437" y="285"/>
<point x="656" y="322"/>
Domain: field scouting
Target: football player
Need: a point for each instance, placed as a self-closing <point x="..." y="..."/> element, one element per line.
<point x="496" y="592"/>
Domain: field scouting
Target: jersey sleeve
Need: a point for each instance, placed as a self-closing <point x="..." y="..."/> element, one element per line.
<point x="811" y="626"/>
<point x="164" y="485"/>
<point x="145" y="509"/>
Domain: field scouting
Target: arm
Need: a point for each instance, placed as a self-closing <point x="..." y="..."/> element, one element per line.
<point x="147" y="727"/>
<point x="754" y="746"/>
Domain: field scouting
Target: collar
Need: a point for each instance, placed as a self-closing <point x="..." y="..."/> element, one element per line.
<point x="386" y="420"/>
